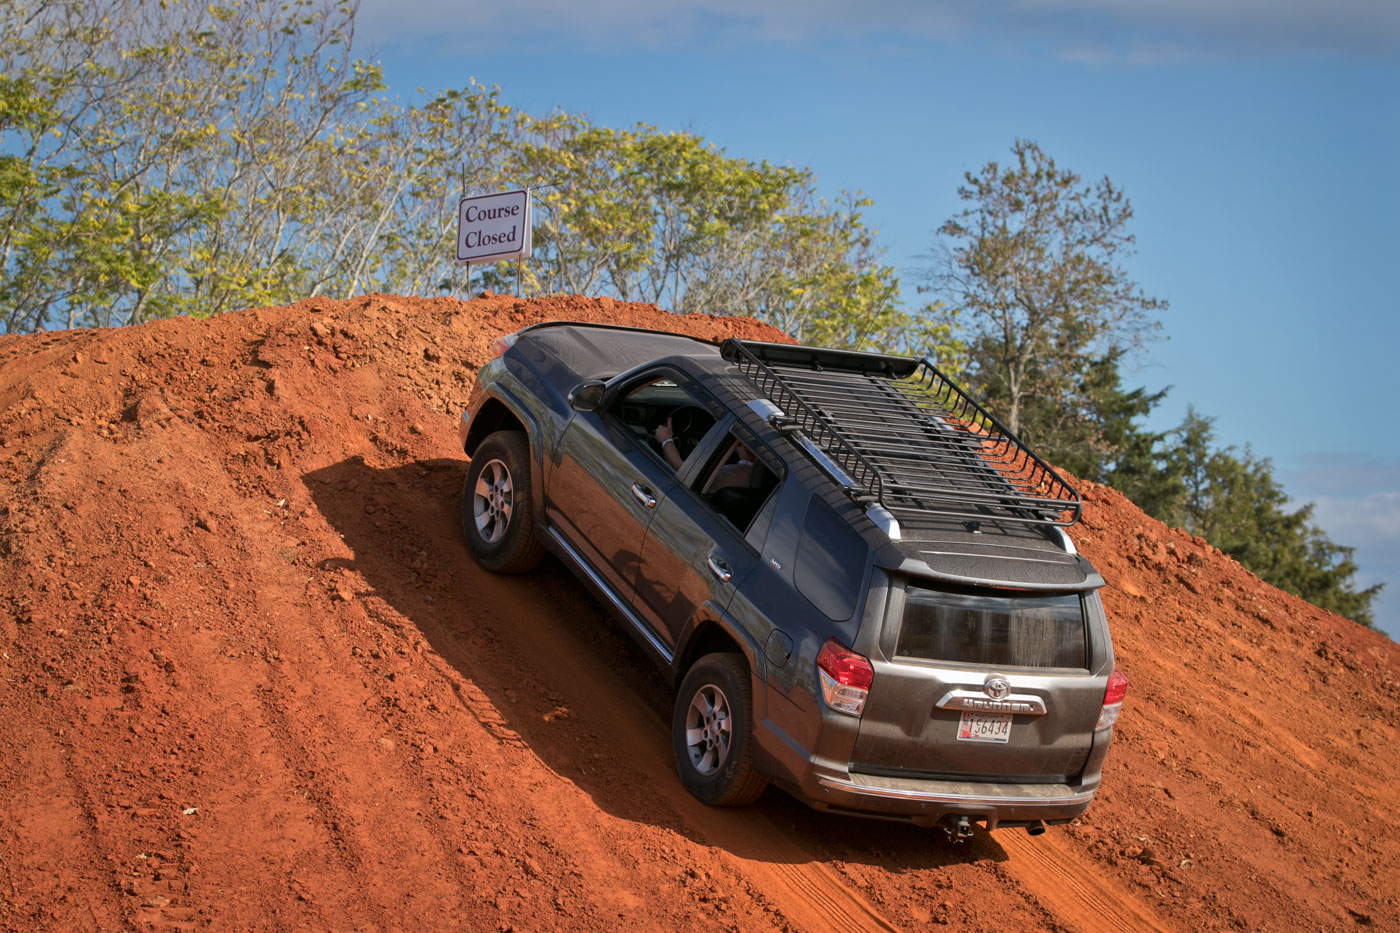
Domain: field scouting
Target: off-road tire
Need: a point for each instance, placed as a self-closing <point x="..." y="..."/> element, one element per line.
<point x="498" y="517"/>
<point x="712" y="732"/>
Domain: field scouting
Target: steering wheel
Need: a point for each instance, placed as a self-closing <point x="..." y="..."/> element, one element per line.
<point x="688" y="425"/>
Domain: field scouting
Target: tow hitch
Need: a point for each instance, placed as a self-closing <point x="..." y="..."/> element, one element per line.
<point x="958" y="828"/>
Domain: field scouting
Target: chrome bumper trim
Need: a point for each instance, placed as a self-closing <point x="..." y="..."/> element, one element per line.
<point x="1065" y="797"/>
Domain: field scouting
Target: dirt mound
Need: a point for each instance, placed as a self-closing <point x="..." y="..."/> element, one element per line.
<point x="251" y="681"/>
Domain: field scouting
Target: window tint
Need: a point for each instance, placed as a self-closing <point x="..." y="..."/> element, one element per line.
<point x="831" y="562"/>
<point x="736" y="483"/>
<point x="659" y="402"/>
<point x="1011" y="631"/>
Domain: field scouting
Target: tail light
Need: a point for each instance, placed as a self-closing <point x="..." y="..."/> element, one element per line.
<point x="501" y="344"/>
<point x="1112" y="699"/>
<point x="845" y="677"/>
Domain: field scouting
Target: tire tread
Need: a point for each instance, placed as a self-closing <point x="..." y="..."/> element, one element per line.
<point x="739" y="785"/>
<point x="520" y="550"/>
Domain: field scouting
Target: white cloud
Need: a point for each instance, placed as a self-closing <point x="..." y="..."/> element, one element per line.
<point x="1367" y="520"/>
<point x="1371" y="521"/>
<point x="1341" y="476"/>
<point x="1130" y="31"/>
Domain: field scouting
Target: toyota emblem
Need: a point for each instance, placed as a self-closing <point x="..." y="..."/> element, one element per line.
<point x="997" y="688"/>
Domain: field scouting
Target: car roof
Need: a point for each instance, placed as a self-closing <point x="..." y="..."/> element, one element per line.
<point x="995" y="552"/>
<point x="931" y="548"/>
<point x="601" y="351"/>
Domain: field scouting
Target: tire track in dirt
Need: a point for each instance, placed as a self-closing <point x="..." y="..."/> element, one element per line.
<point x="42" y="781"/>
<point x="1076" y="894"/>
<point x="547" y="632"/>
<point x="806" y="892"/>
<point x="811" y="891"/>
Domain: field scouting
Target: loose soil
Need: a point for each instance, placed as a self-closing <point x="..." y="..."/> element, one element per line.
<point x="252" y="681"/>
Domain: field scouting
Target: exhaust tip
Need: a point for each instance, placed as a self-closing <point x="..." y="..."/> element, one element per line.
<point x="1035" y="828"/>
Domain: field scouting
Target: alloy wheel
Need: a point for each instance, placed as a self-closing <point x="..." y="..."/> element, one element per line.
<point x="492" y="501"/>
<point x="709" y="729"/>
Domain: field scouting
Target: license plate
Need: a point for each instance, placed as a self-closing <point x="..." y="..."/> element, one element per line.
<point x="984" y="727"/>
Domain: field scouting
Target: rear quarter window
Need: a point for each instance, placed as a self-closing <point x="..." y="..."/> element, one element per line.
<point x="1002" y="631"/>
<point x="831" y="560"/>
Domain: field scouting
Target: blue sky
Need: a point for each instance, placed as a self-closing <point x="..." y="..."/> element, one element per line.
<point x="1259" y="142"/>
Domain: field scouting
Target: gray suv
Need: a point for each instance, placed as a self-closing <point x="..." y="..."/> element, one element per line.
<point x="857" y="579"/>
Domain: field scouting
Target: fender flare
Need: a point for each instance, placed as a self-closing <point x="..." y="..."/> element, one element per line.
<point x="709" y="623"/>
<point x="508" y="400"/>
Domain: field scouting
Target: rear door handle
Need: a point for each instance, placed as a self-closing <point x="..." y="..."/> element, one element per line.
<point x="644" y="496"/>
<point x="719" y="568"/>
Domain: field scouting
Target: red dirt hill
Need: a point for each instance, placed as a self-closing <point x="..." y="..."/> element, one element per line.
<point x="251" y="681"/>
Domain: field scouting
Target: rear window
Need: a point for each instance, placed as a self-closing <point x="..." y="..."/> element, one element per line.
<point x="1003" y="631"/>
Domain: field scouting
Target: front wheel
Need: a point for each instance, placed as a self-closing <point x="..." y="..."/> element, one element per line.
<point x="497" y="515"/>
<point x="712" y="731"/>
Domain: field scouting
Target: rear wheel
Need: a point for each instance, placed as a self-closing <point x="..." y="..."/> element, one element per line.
<point x="497" y="515"/>
<point x="712" y="732"/>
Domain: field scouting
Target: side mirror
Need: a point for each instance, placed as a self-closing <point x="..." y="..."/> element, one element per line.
<point x="587" y="396"/>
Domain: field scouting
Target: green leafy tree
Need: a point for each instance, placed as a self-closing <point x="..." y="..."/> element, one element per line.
<point x="1233" y="500"/>
<point x="1098" y="436"/>
<point x="670" y="219"/>
<point x="166" y="157"/>
<point x="45" y="59"/>
<point x="1033" y="267"/>
<point x="173" y="157"/>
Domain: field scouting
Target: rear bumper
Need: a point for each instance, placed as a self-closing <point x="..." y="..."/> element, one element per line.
<point x="929" y="802"/>
<point x="824" y="782"/>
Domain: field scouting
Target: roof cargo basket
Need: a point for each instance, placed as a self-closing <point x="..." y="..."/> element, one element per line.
<point x="895" y="430"/>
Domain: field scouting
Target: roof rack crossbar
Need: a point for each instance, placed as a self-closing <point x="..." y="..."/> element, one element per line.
<point x="902" y="433"/>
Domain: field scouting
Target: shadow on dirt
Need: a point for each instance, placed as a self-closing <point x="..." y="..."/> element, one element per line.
<point x="568" y="680"/>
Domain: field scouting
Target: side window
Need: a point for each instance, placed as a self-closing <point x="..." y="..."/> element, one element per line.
<point x="664" y="418"/>
<point x="736" y="483"/>
<point x="831" y="559"/>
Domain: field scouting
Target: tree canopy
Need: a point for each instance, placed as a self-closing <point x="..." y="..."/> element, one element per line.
<point x="1232" y="499"/>
<point x="172" y="157"/>
<point x="1032" y="268"/>
<point x="1032" y="276"/>
<point x="163" y="158"/>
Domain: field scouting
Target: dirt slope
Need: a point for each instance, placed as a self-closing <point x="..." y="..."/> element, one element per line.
<point x="252" y="682"/>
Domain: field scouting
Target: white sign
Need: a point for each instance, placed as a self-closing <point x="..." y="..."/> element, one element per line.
<point x="494" y="227"/>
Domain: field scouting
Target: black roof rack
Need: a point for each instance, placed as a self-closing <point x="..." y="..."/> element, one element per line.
<point x="895" y="430"/>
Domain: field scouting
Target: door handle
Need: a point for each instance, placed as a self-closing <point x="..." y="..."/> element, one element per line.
<point x="719" y="568"/>
<point x="644" y="496"/>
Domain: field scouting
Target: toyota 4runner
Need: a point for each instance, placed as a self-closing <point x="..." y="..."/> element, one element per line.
<point x="857" y="579"/>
